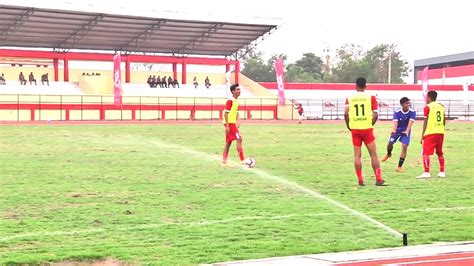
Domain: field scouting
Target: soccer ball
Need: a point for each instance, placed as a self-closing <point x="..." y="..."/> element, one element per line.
<point x="250" y="162"/>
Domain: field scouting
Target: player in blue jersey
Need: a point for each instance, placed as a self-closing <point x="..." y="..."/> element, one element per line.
<point x="403" y="119"/>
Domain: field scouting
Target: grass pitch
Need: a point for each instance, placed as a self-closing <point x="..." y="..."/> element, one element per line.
<point x="156" y="194"/>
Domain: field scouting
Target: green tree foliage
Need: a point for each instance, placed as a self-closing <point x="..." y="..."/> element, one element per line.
<point x="312" y="65"/>
<point x="373" y="64"/>
<point x="351" y="61"/>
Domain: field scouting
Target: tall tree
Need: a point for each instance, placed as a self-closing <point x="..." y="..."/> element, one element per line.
<point x="256" y="69"/>
<point x="311" y="64"/>
<point x="374" y="64"/>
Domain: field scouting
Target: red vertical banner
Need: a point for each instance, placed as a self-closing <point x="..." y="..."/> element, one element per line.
<point x="280" y="81"/>
<point x="424" y="82"/>
<point x="117" y="81"/>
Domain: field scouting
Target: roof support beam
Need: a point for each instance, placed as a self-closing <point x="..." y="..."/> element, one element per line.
<point x="78" y="34"/>
<point x="135" y="41"/>
<point x="200" y="39"/>
<point x="242" y="52"/>
<point x="17" y="23"/>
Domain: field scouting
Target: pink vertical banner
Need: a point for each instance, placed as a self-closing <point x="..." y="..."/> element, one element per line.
<point x="280" y="81"/>
<point x="424" y="82"/>
<point x="117" y="81"/>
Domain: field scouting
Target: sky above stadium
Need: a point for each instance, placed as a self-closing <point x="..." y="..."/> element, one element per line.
<point x="420" y="28"/>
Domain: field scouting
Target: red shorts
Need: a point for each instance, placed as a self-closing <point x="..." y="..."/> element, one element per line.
<point x="233" y="134"/>
<point x="432" y="142"/>
<point x="362" y="135"/>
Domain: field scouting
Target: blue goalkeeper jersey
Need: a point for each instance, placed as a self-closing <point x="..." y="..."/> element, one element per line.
<point x="403" y="119"/>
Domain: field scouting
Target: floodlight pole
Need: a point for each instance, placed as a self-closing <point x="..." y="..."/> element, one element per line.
<point x="389" y="68"/>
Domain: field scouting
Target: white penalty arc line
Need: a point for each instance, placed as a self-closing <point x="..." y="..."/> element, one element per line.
<point x="283" y="181"/>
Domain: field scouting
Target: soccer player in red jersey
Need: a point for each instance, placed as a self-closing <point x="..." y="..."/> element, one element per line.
<point x="361" y="114"/>
<point x="432" y="137"/>
<point x="231" y="128"/>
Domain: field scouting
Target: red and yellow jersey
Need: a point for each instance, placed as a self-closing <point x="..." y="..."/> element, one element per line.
<point x="232" y="108"/>
<point x="434" y="112"/>
<point x="361" y="106"/>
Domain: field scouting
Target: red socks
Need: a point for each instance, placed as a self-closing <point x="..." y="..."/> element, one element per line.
<point x="441" y="163"/>
<point x="359" y="176"/>
<point x="225" y="156"/>
<point x="378" y="175"/>
<point x="241" y="154"/>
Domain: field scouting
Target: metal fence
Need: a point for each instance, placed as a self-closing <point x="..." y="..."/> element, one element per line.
<point x="15" y="107"/>
<point x="333" y="109"/>
<point x="101" y="107"/>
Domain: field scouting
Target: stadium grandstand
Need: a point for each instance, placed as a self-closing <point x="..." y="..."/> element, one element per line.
<point x="38" y="40"/>
<point x="31" y="42"/>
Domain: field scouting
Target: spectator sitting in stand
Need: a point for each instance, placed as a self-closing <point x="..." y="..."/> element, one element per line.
<point x="154" y="82"/>
<point x="195" y="83"/>
<point x="22" y="79"/>
<point x="175" y="83"/>
<point x="2" y="80"/>
<point x="163" y="81"/>
<point x="149" y="81"/>
<point x="31" y="78"/>
<point x="158" y="82"/>
<point x="170" y="82"/>
<point x="207" y="83"/>
<point x="44" y="78"/>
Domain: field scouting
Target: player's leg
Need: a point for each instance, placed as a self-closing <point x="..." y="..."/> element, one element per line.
<point x="229" y="137"/>
<point x="391" y="140"/>
<point x="428" y="149"/>
<point x="240" y="150"/>
<point x="357" y="144"/>
<point x="389" y="152"/>
<point x="358" y="164"/>
<point x="439" y="152"/>
<point x="405" y="140"/>
<point x="238" y="138"/>
<point x="225" y="154"/>
<point x="371" y="147"/>
<point x="403" y="156"/>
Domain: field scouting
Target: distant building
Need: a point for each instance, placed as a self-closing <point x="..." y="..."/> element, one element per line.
<point x="456" y="69"/>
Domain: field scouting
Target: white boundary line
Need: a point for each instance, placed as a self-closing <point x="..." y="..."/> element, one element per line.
<point x="282" y="181"/>
<point x="258" y="172"/>
<point x="205" y="223"/>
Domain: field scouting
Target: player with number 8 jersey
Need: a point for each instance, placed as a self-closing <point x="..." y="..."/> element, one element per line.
<point x="432" y="137"/>
<point x="360" y="116"/>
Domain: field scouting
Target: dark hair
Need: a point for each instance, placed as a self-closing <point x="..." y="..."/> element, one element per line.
<point x="360" y="82"/>
<point x="404" y="100"/>
<point x="234" y="86"/>
<point x="433" y="95"/>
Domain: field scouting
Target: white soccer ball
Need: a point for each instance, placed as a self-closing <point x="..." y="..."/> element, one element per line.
<point x="250" y="162"/>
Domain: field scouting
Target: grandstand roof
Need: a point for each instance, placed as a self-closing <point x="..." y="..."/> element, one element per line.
<point x="64" y="29"/>
<point x="440" y="61"/>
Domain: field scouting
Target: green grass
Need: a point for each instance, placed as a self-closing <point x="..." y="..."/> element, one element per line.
<point x="142" y="194"/>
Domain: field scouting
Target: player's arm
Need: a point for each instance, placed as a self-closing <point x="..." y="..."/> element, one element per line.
<point x="395" y="123"/>
<point x="375" y="110"/>
<point x="228" y="106"/>
<point x="426" y="112"/>
<point x="444" y="116"/>
<point x="410" y="124"/>
<point x="394" y="127"/>
<point x="346" y="115"/>
<point x="237" y="121"/>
